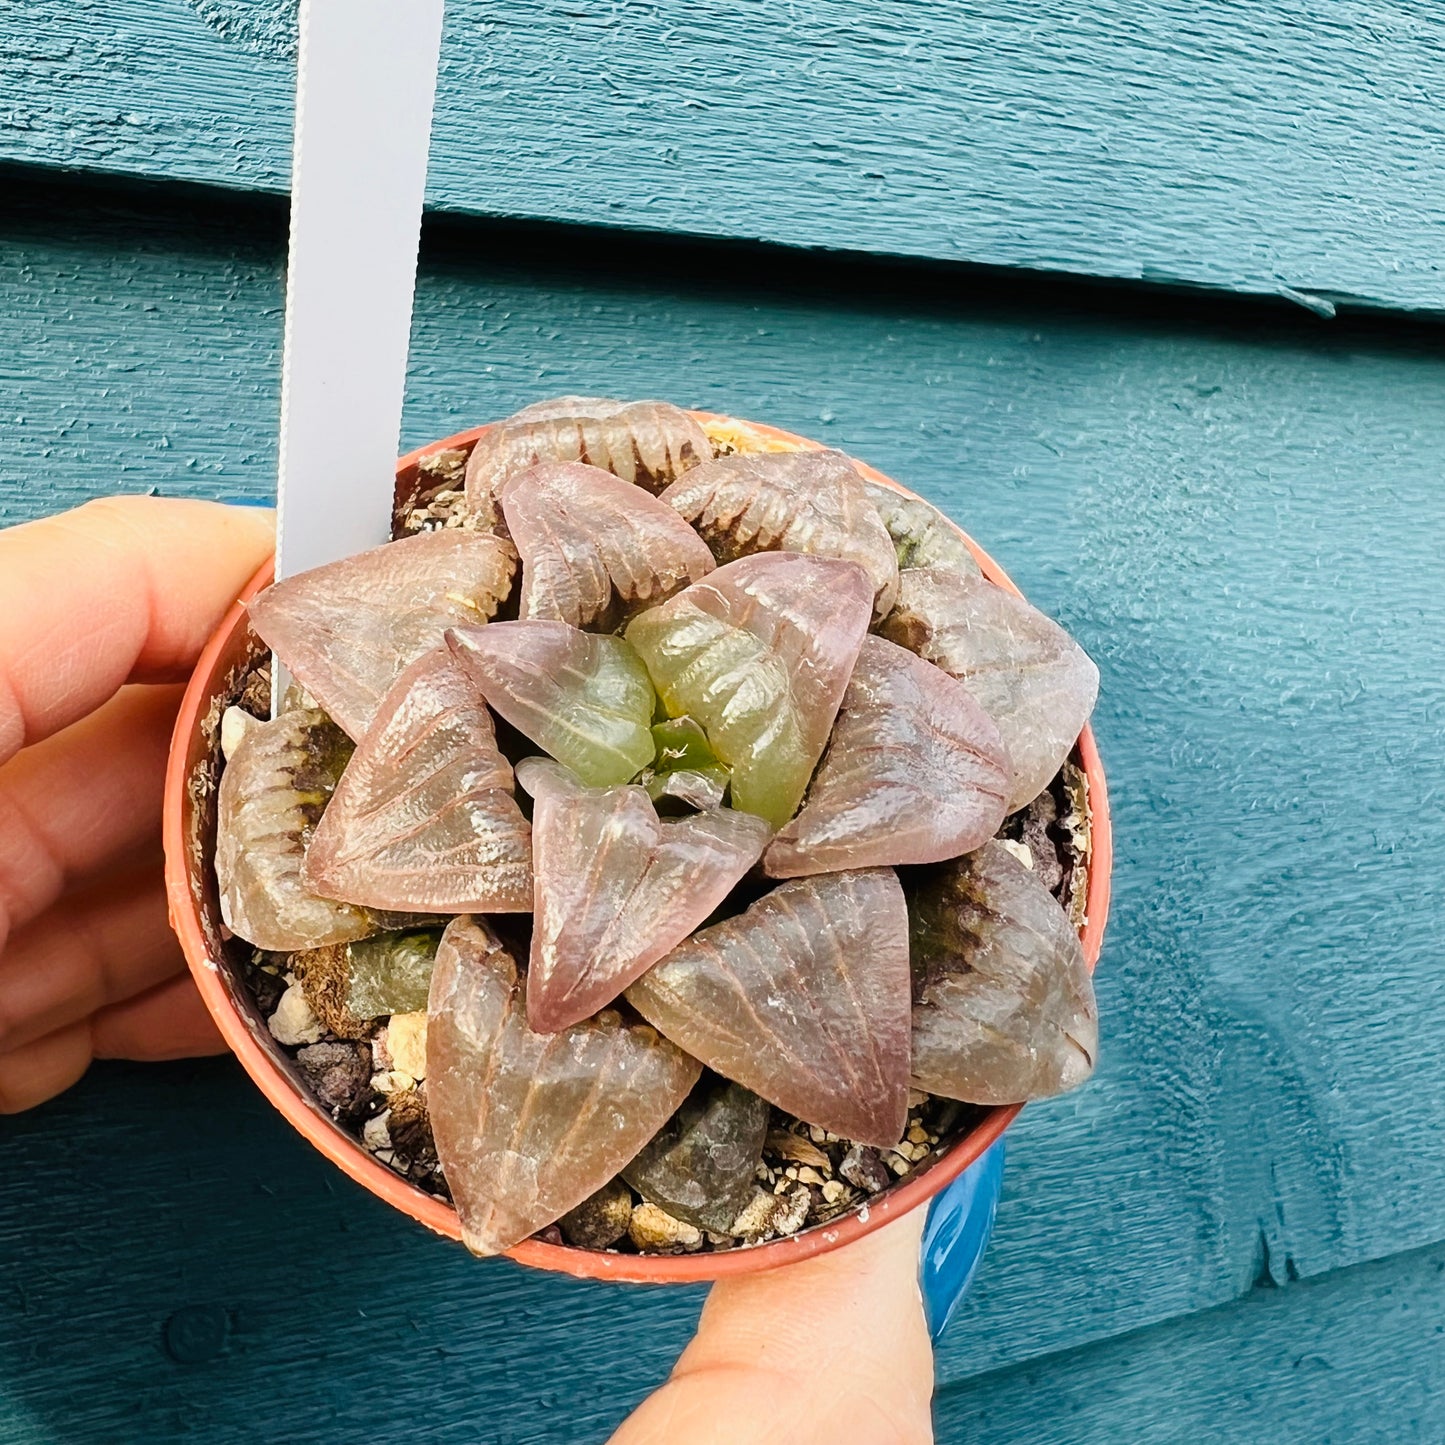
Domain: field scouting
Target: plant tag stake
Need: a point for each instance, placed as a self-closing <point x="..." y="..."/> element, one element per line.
<point x="366" y="78"/>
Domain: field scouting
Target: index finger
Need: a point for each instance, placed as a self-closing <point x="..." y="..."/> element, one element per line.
<point x="124" y="589"/>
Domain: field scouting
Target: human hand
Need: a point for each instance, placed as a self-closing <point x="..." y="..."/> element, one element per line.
<point x="832" y="1348"/>
<point x="103" y="612"/>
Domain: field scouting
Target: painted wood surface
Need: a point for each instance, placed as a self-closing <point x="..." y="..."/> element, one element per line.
<point x="1357" y="1358"/>
<point x="1275" y="148"/>
<point x="1237" y="513"/>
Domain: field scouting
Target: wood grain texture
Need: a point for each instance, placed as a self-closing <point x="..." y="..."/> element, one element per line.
<point x="1357" y="1358"/>
<point x="158" y="1287"/>
<point x="1269" y="148"/>
<point x="1239" y="517"/>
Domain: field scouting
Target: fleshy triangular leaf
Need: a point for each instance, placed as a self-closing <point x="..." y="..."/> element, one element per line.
<point x="349" y="629"/>
<point x="617" y="886"/>
<point x="273" y="790"/>
<point x="391" y="973"/>
<point x="594" y="547"/>
<point x="702" y="1164"/>
<point x="528" y="1125"/>
<point x="646" y="442"/>
<point x="685" y="770"/>
<point x="915" y="772"/>
<point x="424" y="818"/>
<point x="922" y="535"/>
<point x="584" y="699"/>
<point x="1032" y="678"/>
<point x="760" y="653"/>
<point x="1003" y="1004"/>
<point x="803" y="999"/>
<point x="813" y="502"/>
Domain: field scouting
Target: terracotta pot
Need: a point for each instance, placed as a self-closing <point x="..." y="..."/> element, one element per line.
<point x="189" y="829"/>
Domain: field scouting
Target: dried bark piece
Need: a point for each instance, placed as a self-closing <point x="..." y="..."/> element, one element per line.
<point x="349" y="630"/>
<point x="617" y="886"/>
<point x="600" y="1220"/>
<point x="646" y="442"/>
<point x="700" y="1166"/>
<point x="324" y="976"/>
<point x="424" y="817"/>
<point x="915" y="772"/>
<point x="584" y="699"/>
<point x="594" y="547"/>
<point x="529" y="1125"/>
<point x="760" y="653"/>
<point x="272" y="794"/>
<point x="1003" y="1004"/>
<point x="812" y="502"/>
<point x="1032" y="678"/>
<point x="803" y="999"/>
<point x="922" y="535"/>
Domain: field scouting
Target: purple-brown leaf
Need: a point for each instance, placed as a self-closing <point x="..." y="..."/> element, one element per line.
<point x="1031" y="677"/>
<point x="617" y="886"/>
<point x="813" y="502"/>
<point x="272" y="793"/>
<point x="424" y="818"/>
<point x="803" y="999"/>
<point x="915" y="772"/>
<point x="649" y="443"/>
<point x="528" y="1125"/>
<point x="1003" y="1004"/>
<point x="922" y="535"/>
<point x="349" y="629"/>
<point x="594" y="547"/>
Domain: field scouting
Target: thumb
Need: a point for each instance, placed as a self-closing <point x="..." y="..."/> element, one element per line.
<point x="832" y="1348"/>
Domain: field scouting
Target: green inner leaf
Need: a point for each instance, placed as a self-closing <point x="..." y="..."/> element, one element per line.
<point x="391" y="973"/>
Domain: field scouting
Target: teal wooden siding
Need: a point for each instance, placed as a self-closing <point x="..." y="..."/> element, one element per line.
<point x="1289" y="150"/>
<point x="1235" y="1232"/>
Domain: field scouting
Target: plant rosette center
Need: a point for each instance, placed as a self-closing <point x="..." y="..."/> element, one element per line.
<point x="670" y="841"/>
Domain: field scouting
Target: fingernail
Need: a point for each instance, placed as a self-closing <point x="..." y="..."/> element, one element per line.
<point x="960" y="1221"/>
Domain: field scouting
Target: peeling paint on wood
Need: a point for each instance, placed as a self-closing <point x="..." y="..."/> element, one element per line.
<point x="1289" y="151"/>
<point x="1238" y="514"/>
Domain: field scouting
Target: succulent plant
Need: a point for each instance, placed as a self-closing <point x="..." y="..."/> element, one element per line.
<point x="693" y="864"/>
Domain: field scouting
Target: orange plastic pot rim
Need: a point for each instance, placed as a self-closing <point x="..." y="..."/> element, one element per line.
<point x="288" y="1095"/>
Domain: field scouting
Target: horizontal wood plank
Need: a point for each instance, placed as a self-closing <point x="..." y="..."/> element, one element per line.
<point x="1241" y="522"/>
<point x="1355" y="1358"/>
<point x="1262" y="148"/>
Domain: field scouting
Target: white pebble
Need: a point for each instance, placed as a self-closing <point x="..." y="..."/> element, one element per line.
<point x="236" y="722"/>
<point x="1021" y="851"/>
<point x="374" y="1133"/>
<point x="293" y="1022"/>
<point x="406" y="1043"/>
